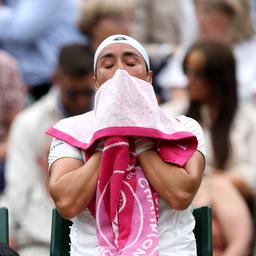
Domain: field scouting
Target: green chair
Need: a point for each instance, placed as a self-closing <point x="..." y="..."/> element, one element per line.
<point x="4" y="225"/>
<point x="203" y="230"/>
<point x="60" y="242"/>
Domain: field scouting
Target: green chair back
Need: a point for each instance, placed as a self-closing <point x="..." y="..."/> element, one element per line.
<point x="4" y="225"/>
<point x="60" y="242"/>
<point x="203" y="230"/>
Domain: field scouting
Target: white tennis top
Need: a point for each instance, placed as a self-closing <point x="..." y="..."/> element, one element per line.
<point x="175" y="228"/>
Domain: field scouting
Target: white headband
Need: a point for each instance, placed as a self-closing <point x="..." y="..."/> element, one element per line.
<point x="121" y="39"/>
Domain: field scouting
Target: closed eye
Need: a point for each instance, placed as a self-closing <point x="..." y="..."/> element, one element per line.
<point x="131" y="62"/>
<point x="109" y="66"/>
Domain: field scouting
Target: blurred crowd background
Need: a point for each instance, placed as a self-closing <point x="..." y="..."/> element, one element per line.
<point x="203" y="57"/>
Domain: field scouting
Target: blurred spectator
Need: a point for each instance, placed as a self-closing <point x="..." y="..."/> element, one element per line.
<point x="33" y="32"/>
<point x="26" y="195"/>
<point x="162" y="26"/>
<point x="230" y="137"/>
<point x="12" y="100"/>
<point x="228" y="21"/>
<point x="100" y="19"/>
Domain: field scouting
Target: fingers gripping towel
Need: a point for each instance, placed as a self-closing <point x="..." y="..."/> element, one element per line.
<point x="125" y="206"/>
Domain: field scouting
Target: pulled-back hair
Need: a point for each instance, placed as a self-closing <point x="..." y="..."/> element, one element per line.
<point x="220" y="72"/>
<point x="76" y="60"/>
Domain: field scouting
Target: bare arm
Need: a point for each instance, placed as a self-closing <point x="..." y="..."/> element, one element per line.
<point x="176" y="185"/>
<point x="73" y="184"/>
<point x="233" y="223"/>
<point x="230" y="210"/>
<point x="242" y="186"/>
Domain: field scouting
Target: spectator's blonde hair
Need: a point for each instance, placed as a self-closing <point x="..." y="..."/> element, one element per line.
<point x="91" y="11"/>
<point x="239" y="11"/>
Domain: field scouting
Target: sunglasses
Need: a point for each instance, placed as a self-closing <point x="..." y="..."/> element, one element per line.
<point x="79" y="93"/>
<point x="197" y="74"/>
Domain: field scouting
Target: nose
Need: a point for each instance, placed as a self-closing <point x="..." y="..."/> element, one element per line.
<point x="191" y="77"/>
<point x="120" y="64"/>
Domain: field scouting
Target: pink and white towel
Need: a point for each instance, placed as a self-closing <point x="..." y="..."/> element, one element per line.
<point x="125" y="207"/>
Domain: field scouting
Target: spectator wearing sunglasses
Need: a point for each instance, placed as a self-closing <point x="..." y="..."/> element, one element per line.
<point x="228" y="21"/>
<point x="229" y="184"/>
<point x="26" y="193"/>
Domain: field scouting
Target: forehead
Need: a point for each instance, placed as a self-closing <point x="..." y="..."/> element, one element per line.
<point x="119" y="49"/>
<point x="196" y="58"/>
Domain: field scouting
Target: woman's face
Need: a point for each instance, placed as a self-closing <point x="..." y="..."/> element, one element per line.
<point x="120" y="56"/>
<point x="199" y="87"/>
<point x="213" y="24"/>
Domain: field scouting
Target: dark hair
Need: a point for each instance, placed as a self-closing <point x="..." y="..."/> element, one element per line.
<point x="76" y="60"/>
<point x="6" y="250"/>
<point x="220" y="73"/>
